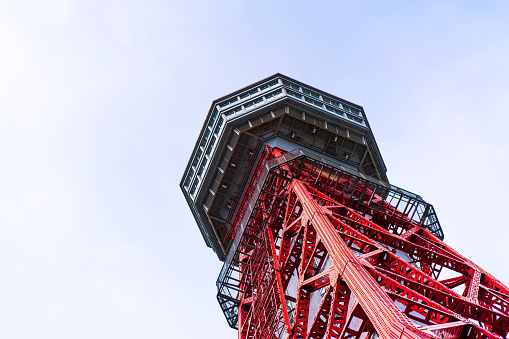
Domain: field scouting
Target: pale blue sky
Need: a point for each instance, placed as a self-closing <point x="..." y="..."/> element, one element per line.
<point x="101" y="103"/>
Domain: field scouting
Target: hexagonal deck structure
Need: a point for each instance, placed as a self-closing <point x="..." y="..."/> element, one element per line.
<point x="277" y="111"/>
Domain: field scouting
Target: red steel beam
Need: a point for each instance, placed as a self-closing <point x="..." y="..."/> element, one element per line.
<point x="376" y="270"/>
<point x="385" y="316"/>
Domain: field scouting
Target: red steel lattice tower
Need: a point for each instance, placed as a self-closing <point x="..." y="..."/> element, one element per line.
<point x="289" y="188"/>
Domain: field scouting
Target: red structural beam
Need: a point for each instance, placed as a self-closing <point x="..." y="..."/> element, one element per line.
<point x="317" y="261"/>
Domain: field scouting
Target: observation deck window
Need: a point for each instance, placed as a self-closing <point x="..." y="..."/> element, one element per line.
<point x="207" y="133"/>
<point x="295" y="95"/>
<point x="188" y="178"/>
<point x="268" y="85"/>
<point x="314" y="102"/>
<point x="203" y="142"/>
<point x="253" y="104"/>
<point x="194" y="186"/>
<point x="199" y="153"/>
<point x="219" y="125"/>
<point x="235" y="111"/>
<point x="338" y="112"/>
<point x="213" y="118"/>
<point x="274" y="95"/>
<point x="228" y="102"/>
<point x="357" y="120"/>
<point x="248" y="94"/>
<point x="351" y="110"/>
<point x="209" y="150"/>
<point x="310" y="93"/>
<point x="211" y="146"/>
<point x="291" y="85"/>
<point x="202" y="167"/>
<point x="195" y="161"/>
<point x="331" y="102"/>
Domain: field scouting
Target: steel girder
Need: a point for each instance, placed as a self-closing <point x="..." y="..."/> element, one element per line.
<point x="319" y="261"/>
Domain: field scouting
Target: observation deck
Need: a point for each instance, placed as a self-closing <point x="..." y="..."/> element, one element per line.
<point x="278" y="112"/>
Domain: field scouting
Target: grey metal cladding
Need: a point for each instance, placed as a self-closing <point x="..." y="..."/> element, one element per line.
<point x="228" y="116"/>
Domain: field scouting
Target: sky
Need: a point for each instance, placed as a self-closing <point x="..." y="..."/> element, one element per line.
<point x="101" y="103"/>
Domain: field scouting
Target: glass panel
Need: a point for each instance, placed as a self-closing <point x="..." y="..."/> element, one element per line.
<point x="202" y="167"/>
<point x="311" y="93"/>
<point x="357" y="120"/>
<point x="254" y="103"/>
<point x="209" y="149"/>
<point x="219" y="125"/>
<point x="247" y="94"/>
<point x="273" y="95"/>
<point x="188" y="179"/>
<point x="330" y="101"/>
<point x="194" y="186"/>
<point x="351" y="109"/>
<point x="291" y="85"/>
<point x="228" y="102"/>
<point x="295" y="95"/>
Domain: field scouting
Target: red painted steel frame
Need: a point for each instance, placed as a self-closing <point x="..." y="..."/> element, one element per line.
<point x="325" y="265"/>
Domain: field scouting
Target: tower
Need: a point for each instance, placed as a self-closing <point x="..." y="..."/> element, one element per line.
<point x="288" y="187"/>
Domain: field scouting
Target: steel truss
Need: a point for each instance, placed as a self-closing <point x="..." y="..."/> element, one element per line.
<point x="326" y="255"/>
